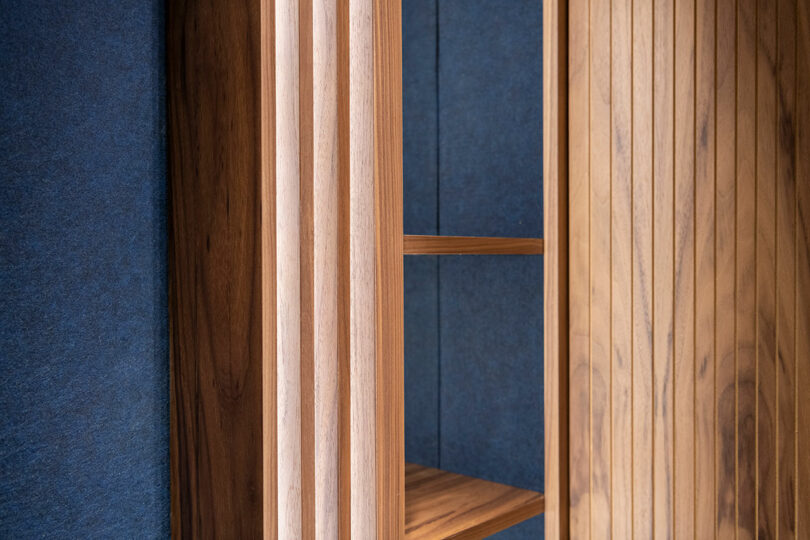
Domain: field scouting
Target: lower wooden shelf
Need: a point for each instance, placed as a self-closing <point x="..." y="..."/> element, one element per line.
<point x="440" y="504"/>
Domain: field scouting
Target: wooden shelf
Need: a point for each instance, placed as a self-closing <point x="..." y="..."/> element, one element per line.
<point x="440" y="504"/>
<point x="471" y="245"/>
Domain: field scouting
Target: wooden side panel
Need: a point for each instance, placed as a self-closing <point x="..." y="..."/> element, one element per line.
<point x="642" y="275"/>
<point x="717" y="213"/>
<point x="217" y="266"/>
<point x="555" y="295"/>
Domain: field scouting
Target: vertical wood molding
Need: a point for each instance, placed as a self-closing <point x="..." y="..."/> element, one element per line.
<point x="716" y="228"/>
<point x="555" y="215"/>
<point x="286" y="269"/>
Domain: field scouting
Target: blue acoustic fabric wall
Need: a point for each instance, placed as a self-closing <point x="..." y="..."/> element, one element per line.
<point x="84" y="390"/>
<point x="472" y="143"/>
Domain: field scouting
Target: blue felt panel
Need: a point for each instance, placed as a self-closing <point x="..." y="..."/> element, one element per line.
<point x="492" y="368"/>
<point x="422" y="360"/>
<point x="490" y="117"/>
<point x="84" y="389"/>
<point x="420" y="144"/>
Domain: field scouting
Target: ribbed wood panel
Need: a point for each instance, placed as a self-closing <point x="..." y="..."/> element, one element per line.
<point x="286" y="302"/>
<point x="689" y="251"/>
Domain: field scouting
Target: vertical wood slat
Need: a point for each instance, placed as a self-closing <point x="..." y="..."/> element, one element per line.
<point x="785" y="348"/>
<point x="726" y="250"/>
<point x="601" y="275"/>
<point x="663" y="266"/>
<point x="766" y="406"/>
<point x="729" y="260"/>
<point x="579" y="410"/>
<point x="621" y="259"/>
<point x="705" y="277"/>
<point x="288" y="270"/>
<point x="555" y="261"/>
<point x="746" y="286"/>
<point x="802" y="309"/>
<point x="684" y="260"/>
<point x="642" y="272"/>
<point x="389" y="307"/>
<point x="361" y="262"/>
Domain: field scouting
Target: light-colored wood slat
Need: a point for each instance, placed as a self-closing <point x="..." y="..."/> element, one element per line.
<point x="621" y="262"/>
<point x="663" y="280"/>
<point x="363" y="377"/>
<point x="786" y="268"/>
<point x="705" y="269"/>
<point x="765" y="404"/>
<point x="601" y="276"/>
<point x="440" y="504"/>
<point x="725" y="230"/>
<point x="803" y="267"/>
<point x="643" y="257"/>
<point x="746" y="329"/>
<point x="579" y="271"/>
<point x="470" y="245"/>
<point x="325" y="257"/>
<point x="684" y="336"/>
<point x="389" y="274"/>
<point x="288" y="265"/>
<point x="555" y="266"/>
<point x="307" y="268"/>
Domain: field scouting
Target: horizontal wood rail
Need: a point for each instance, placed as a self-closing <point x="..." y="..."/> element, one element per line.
<point x="471" y="245"/>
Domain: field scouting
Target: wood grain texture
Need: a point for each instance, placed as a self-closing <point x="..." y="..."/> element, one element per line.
<point x="705" y="276"/>
<point x="389" y="273"/>
<point x="802" y="363"/>
<point x="663" y="265"/>
<point x="579" y="274"/>
<point x="555" y="267"/>
<point x="288" y="270"/>
<point x="343" y="59"/>
<point x="642" y="246"/>
<point x="719" y="224"/>
<point x="684" y="332"/>
<point x="726" y="250"/>
<point x="217" y="250"/>
<point x="325" y="207"/>
<point x="440" y="504"/>
<point x="601" y="289"/>
<point x="785" y="436"/>
<point x="766" y="406"/>
<point x="470" y="245"/>
<point x="745" y="280"/>
<point x="363" y="376"/>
